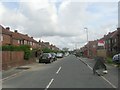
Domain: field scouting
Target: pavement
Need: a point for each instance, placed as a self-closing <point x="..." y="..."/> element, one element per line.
<point x="68" y="72"/>
<point x="16" y="70"/>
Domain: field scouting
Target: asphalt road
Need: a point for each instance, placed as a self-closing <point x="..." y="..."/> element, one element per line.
<point x="68" y="72"/>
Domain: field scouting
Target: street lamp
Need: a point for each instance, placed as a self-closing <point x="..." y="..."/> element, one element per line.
<point x="86" y="29"/>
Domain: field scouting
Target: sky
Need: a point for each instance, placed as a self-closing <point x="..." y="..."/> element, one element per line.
<point x="61" y="22"/>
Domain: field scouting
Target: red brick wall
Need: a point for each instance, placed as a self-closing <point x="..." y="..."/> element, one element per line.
<point x="14" y="59"/>
<point x="15" y="42"/>
<point x="6" y="39"/>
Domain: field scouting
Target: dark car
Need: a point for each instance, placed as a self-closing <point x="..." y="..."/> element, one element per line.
<point x="54" y="56"/>
<point x="46" y="58"/>
<point x="116" y="58"/>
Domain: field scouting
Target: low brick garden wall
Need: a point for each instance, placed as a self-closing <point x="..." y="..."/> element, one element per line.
<point x="14" y="59"/>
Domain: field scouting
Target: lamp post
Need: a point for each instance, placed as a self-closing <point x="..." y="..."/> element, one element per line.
<point x="86" y="29"/>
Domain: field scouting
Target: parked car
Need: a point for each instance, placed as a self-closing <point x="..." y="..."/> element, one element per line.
<point x="46" y="58"/>
<point x="59" y="55"/>
<point x="66" y="54"/>
<point x="116" y="58"/>
<point x="54" y="56"/>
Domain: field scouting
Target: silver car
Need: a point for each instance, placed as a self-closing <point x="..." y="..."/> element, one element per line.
<point x="59" y="55"/>
<point x="116" y="58"/>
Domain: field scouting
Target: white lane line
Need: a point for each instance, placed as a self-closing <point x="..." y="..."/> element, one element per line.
<point x="89" y="67"/>
<point x="49" y="84"/>
<point x="58" y="70"/>
<point x="109" y="82"/>
<point x="104" y="78"/>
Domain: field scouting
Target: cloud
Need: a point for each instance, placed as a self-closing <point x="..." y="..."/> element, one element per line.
<point x="65" y="23"/>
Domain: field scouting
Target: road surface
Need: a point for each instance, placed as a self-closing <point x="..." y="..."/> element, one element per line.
<point x="67" y="72"/>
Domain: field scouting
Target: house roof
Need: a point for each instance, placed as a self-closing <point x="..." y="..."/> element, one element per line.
<point x="16" y="35"/>
<point x="5" y="31"/>
<point x="109" y="35"/>
<point x="23" y="37"/>
<point x="114" y="34"/>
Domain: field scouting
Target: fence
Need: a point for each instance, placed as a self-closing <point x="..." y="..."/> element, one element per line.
<point x="101" y="53"/>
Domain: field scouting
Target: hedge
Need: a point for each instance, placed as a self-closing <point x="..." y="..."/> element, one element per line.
<point x="25" y="48"/>
<point x="47" y="50"/>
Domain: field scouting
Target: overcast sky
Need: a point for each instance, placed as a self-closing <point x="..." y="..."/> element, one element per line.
<point x="61" y="22"/>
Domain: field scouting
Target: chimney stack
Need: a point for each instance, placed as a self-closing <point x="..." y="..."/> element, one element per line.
<point x="7" y="28"/>
<point x="39" y="40"/>
<point x="118" y="28"/>
<point x="15" y="31"/>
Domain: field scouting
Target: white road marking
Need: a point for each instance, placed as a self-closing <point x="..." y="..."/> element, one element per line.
<point x="12" y="75"/>
<point x="89" y="67"/>
<point x="58" y="70"/>
<point x="109" y="82"/>
<point x="49" y="84"/>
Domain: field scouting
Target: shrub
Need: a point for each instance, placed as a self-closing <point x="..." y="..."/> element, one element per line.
<point x="109" y="60"/>
<point x="27" y="54"/>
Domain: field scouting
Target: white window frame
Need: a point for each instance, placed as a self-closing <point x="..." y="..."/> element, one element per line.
<point x="25" y="42"/>
<point x="30" y="43"/>
<point x="18" y="41"/>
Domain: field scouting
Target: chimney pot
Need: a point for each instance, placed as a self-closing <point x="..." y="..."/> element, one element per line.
<point x="15" y="31"/>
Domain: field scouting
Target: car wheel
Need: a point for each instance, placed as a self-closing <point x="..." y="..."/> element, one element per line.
<point x="39" y="61"/>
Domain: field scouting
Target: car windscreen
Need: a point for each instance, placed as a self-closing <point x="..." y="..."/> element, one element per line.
<point x="45" y="55"/>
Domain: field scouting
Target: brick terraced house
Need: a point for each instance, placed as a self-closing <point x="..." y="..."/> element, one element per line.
<point x="15" y="38"/>
<point x="5" y="36"/>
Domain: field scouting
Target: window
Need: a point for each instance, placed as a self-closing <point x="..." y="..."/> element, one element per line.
<point x="109" y="41"/>
<point x="30" y="43"/>
<point x="106" y="41"/>
<point x="1" y="38"/>
<point x="94" y="46"/>
<point x="115" y="40"/>
<point x="33" y="43"/>
<point x="25" y="42"/>
<point x="19" y="41"/>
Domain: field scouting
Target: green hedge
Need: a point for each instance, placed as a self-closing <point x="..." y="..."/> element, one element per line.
<point x="47" y="50"/>
<point x="25" y="48"/>
<point x="109" y="60"/>
<point x="15" y="48"/>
